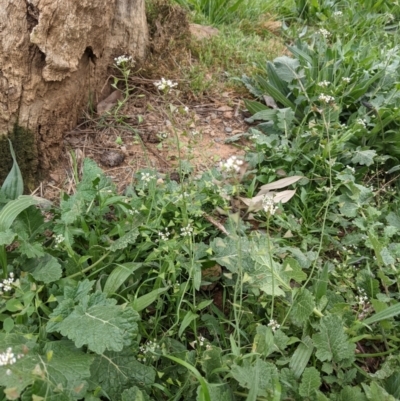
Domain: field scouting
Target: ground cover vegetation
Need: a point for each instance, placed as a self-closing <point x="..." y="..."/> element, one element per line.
<point x="268" y="277"/>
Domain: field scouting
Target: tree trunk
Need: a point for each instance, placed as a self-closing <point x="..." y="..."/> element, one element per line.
<point x="55" y="55"/>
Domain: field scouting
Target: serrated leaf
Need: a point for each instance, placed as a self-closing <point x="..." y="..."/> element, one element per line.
<point x="301" y="356"/>
<point x="331" y="342"/>
<point x="303" y="307"/>
<point x="257" y="377"/>
<point x="374" y="392"/>
<point x="349" y="209"/>
<point x="387" y="258"/>
<point x="310" y="382"/>
<point x="217" y="392"/>
<point x="47" y="269"/>
<point x="116" y="372"/>
<point x="210" y="361"/>
<point x="293" y="270"/>
<point x="351" y="393"/>
<point x="7" y="237"/>
<point x="127" y="239"/>
<point x="96" y="322"/>
<point x="364" y="157"/>
<point x="134" y="394"/>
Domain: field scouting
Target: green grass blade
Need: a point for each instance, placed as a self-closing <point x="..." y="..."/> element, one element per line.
<point x="118" y="276"/>
<point x="145" y="300"/>
<point x="387" y="313"/>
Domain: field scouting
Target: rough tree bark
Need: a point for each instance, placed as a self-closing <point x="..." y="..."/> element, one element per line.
<point x="54" y="56"/>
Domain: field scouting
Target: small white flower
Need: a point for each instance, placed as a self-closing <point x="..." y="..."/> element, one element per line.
<point x="361" y="122"/>
<point x="324" y="84"/>
<point x="352" y="169"/>
<point x="337" y="14"/>
<point x="274" y="325"/>
<point x="186" y="109"/>
<point x="326" y="98"/>
<point x="8" y="357"/>
<point x="165" y="85"/>
<point x="324" y="33"/>
<point x="164" y="235"/>
<point x="232" y="165"/>
<point x="147" y="177"/>
<point x="186" y="231"/>
<point x="269" y="205"/>
<point x="346" y="79"/>
<point x="6" y="284"/>
<point x="123" y="59"/>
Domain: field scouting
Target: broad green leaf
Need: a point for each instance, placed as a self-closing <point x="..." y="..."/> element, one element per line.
<point x="351" y="393"/>
<point x="210" y="361"/>
<point x="13" y="208"/>
<point x="254" y="107"/>
<point x="286" y="68"/>
<point x="98" y="323"/>
<point x="47" y="269"/>
<point x="374" y="392"/>
<point x="364" y="157"/>
<point x="13" y="185"/>
<point x="7" y="237"/>
<point x="189" y="317"/>
<point x="293" y="270"/>
<point x="115" y="372"/>
<point x="301" y="356"/>
<point x="119" y="275"/>
<point x="392" y="384"/>
<point x="147" y="299"/>
<point x="304" y="305"/>
<point x="310" y="382"/>
<point x="217" y="392"/>
<point x="259" y="377"/>
<point x="331" y="342"/>
<point x="134" y="394"/>
<point x="264" y="341"/>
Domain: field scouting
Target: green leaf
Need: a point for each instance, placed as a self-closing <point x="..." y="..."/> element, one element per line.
<point x="259" y="377"/>
<point x="13" y="185"/>
<point x="7" y="237"/>
<point x="301" y="356"/>
<point x="374" y="392"/>
<point x="48" y="269"/>
<point x="134" y="394"/>
<point x="119" y="275"/>
<point x="96" y="322"/>
<point x="364" y="157"/>
<point x="12" y="209"/>
<point x="145" y="300"/>
<point x="388" y="313"/>
<point x="304" y="305"/>
<point x="125" y="240"/>
<point x="331" y="342"/>
<point x="116" y="372"/>
<point x="210" y="361"/>
<point x="351" y="393"/>
<point x="264" y="341"/>
<point x="293" y="270"/>
<point x="189" y="317"/>
<point x="310" y="382"/>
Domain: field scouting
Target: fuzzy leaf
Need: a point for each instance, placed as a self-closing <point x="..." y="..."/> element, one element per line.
<point x="331" y="342"/>
<point x="125" y="240"/>
<point x="284" y="182"/>
<point x="374" y="392"/>
<point x="134" y="394"/>
<point x="310" y="382"/>
<point x="303" y="307"/>
<point x="116" y="372"/>
<point x="7" y="237"/>
<point x="210" y="361"/>
<point x="351" y="393"/>
<point x="47" y="269"/>
<point x="364" y="157"/>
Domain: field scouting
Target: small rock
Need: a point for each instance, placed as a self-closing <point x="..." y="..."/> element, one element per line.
<point x="213" y="116"/>
<point x="228" y="130"/>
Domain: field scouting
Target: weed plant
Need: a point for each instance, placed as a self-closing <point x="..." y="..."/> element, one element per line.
<point x="224" y="286"/>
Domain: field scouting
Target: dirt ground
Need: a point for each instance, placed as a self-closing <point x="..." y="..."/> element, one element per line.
<point x="151" y="129"/>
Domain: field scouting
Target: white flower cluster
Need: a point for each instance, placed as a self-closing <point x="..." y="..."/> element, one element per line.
<point x="149" y="348"/>
<point x="6" y="284"/>
<point x="133" y="211"/>
<point x="324" y="84"/>
<point x="326" y="98"/>
<point x="346" y="79"/>
<point x="122" y="60"/>
<point x="186" y="231"/>
<point x="324" y="33"/>
<point x="232" y="165"/>
<point x="362" y="298"/>
<point x="58" y="239"/>
<point x="165" y="84"/>
<point x="361" y="122"/>
<point x="164" y="235"/>
<point x="147" y="177"/>
<point x="182" y="196"/>
<point x="269" y="205"/>
<point x="274" y="325"/>
<point x="8" y="357"/>
<point x="337" y="14"/>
